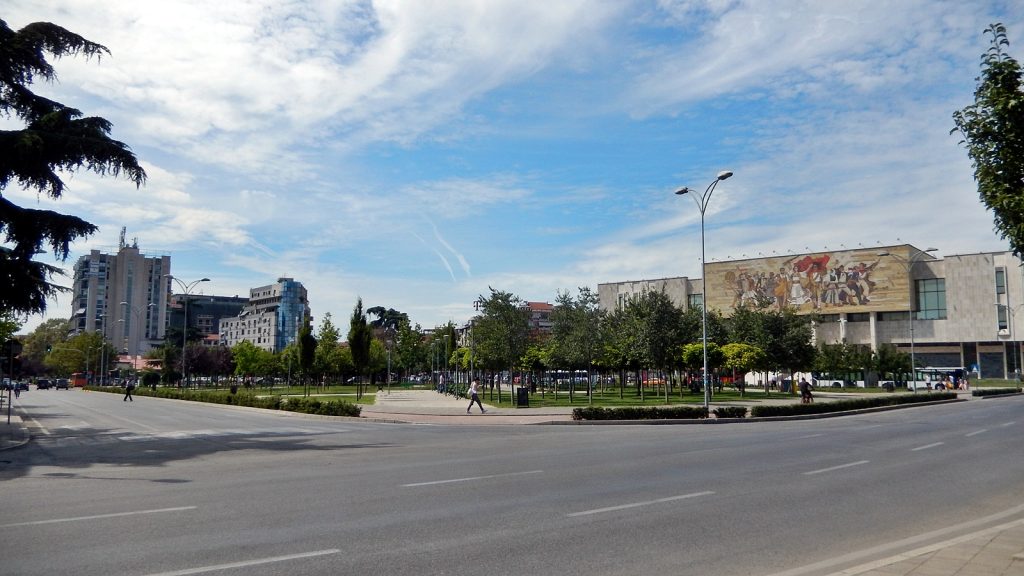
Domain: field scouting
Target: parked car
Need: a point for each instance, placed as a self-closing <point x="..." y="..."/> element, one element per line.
<point x="62" y="384"/>
<point x="43" y="384"/>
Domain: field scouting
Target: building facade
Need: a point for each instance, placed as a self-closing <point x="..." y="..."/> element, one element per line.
<point x="205" y="312"/>
<point x="123" y="295"/>
<point x="956" y="311"/>
<point x="272" y="317"/>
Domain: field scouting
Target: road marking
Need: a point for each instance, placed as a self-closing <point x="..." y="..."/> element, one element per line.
<point x="247" y="563"/>
<point x="638" y="504"/>
<point x="976" y="432"/>
<point x="927" y="446"/>
<point x="98" y="516"/>
<point x="840" y="467"/>
<point x="42" y="428"/>
<point x="811" y="436"/>
<point x="1007" y="424"/>
<point x="470" y="479"/>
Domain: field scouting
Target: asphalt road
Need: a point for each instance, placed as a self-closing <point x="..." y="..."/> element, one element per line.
<point x="159" y="487"/>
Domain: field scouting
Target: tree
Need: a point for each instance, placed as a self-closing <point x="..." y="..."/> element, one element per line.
<point x="326" y="360"/>
<point x="741" y="358"/>
<point x="575" y="331"/>
<point x="55" y="139"/>
<point x="307" y="351"/>
<point x="993" y="131"/>
<point x="359" y="337"/>
<point x="47" y="335"/>
<point x="387" y="317"/>
<point x="502" y="332"/>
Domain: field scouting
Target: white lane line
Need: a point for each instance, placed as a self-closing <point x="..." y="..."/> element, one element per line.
<point x="470" y="479"/>
<point x="1007" y="424"/>
<point x="840" y="467"/>
<point x="811" y="436"/>
<point x="246" y="563"/>
<point x="976" y="432"/>
<point x="638" y="504"/>
<point x="42" y="428"/>
<point x="98" y="516"/>
<point x="927" y="446"/>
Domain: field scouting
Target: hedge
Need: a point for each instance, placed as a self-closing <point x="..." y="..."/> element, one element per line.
<point x="847" y="405"/>
<point x="295" y="404"/>
<point x="640" y="413"/>
<point x="995" y="391"/>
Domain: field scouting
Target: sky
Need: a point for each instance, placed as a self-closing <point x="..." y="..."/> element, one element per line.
<point x="416" y="153"/>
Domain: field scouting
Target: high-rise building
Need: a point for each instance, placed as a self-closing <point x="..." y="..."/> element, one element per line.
<point x="122" y="295"/>
<point x="272" y="318"/>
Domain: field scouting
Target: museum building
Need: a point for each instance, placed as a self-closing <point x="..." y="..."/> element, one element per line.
<point x="955" y="311"/>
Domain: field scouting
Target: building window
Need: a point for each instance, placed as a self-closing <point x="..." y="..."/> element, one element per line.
<point x="1003" y="324"/>
<point x="893" y="316"/>
<point x="828" y="318"/>
<point x="931" y="299"/>
<point x="1000" y="280"/>
<point x="695" y="301"/>
<point x="858" y="317"/>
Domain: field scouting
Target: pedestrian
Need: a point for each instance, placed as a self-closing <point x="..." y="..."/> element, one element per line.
<point x="128" y="391"/>
<point x="474" y="387"/>
<point x="805" y="392"/>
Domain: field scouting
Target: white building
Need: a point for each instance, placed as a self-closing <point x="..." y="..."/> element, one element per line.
<point x="963" y="307"/>
<point x="272" y="318"/>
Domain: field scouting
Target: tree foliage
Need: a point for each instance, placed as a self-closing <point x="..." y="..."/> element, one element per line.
<point x="993" y="132"/>
<point x="55" y="139"/>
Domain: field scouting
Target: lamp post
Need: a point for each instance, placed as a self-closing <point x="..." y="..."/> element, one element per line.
<point x="702" y="205"/>
<point x="187" y="290"/>
<point x="908" y="265"/>
<point x="103" y="347"/>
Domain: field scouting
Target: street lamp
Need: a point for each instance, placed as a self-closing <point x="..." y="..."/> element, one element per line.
<point x="187" y="289"/>
<point x="702" y="205"/>
<point x="103" y="347"/>
<point x="908" y="265"/>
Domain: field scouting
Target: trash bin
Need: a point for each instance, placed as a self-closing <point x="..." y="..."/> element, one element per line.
<point x="522" y="397"/>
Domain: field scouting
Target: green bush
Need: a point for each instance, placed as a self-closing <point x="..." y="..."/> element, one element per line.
<point x="303" y="405"/>
<point x="640" y="413"/>
<point x="847" y="405"/>
<point x="731" y="412"/>
<point x="995" y="391"/>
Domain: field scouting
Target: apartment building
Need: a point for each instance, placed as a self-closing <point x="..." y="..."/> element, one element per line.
<point x="123" y="295"/>
<point x="271" y="318"/>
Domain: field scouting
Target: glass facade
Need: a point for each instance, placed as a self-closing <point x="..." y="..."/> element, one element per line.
<point x="931" y="299"/>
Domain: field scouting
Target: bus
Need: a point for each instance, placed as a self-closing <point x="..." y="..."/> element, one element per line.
<point x="79" y="379"/>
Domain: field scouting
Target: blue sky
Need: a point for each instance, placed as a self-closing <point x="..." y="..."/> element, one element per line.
<point x="415" y="153"/>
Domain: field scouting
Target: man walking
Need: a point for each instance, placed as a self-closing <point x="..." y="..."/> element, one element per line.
<point x="474" y="388"/>
<point x="128" y="391"/>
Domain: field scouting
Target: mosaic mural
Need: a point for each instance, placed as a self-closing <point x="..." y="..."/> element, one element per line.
<point x="825" y="282"/>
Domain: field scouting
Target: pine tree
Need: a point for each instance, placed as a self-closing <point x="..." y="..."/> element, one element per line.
<point x="56" y="138"/>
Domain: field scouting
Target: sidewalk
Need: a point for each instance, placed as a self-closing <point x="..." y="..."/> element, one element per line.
<point x="15" y="433"/>
<point x="430" y="407"/>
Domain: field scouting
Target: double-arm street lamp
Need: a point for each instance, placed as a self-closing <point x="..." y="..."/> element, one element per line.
<point x="1011" y="326"/>
<point x="186" y="288"/>
<point x="702" y="205"/>
<point x="908" y="266"/>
